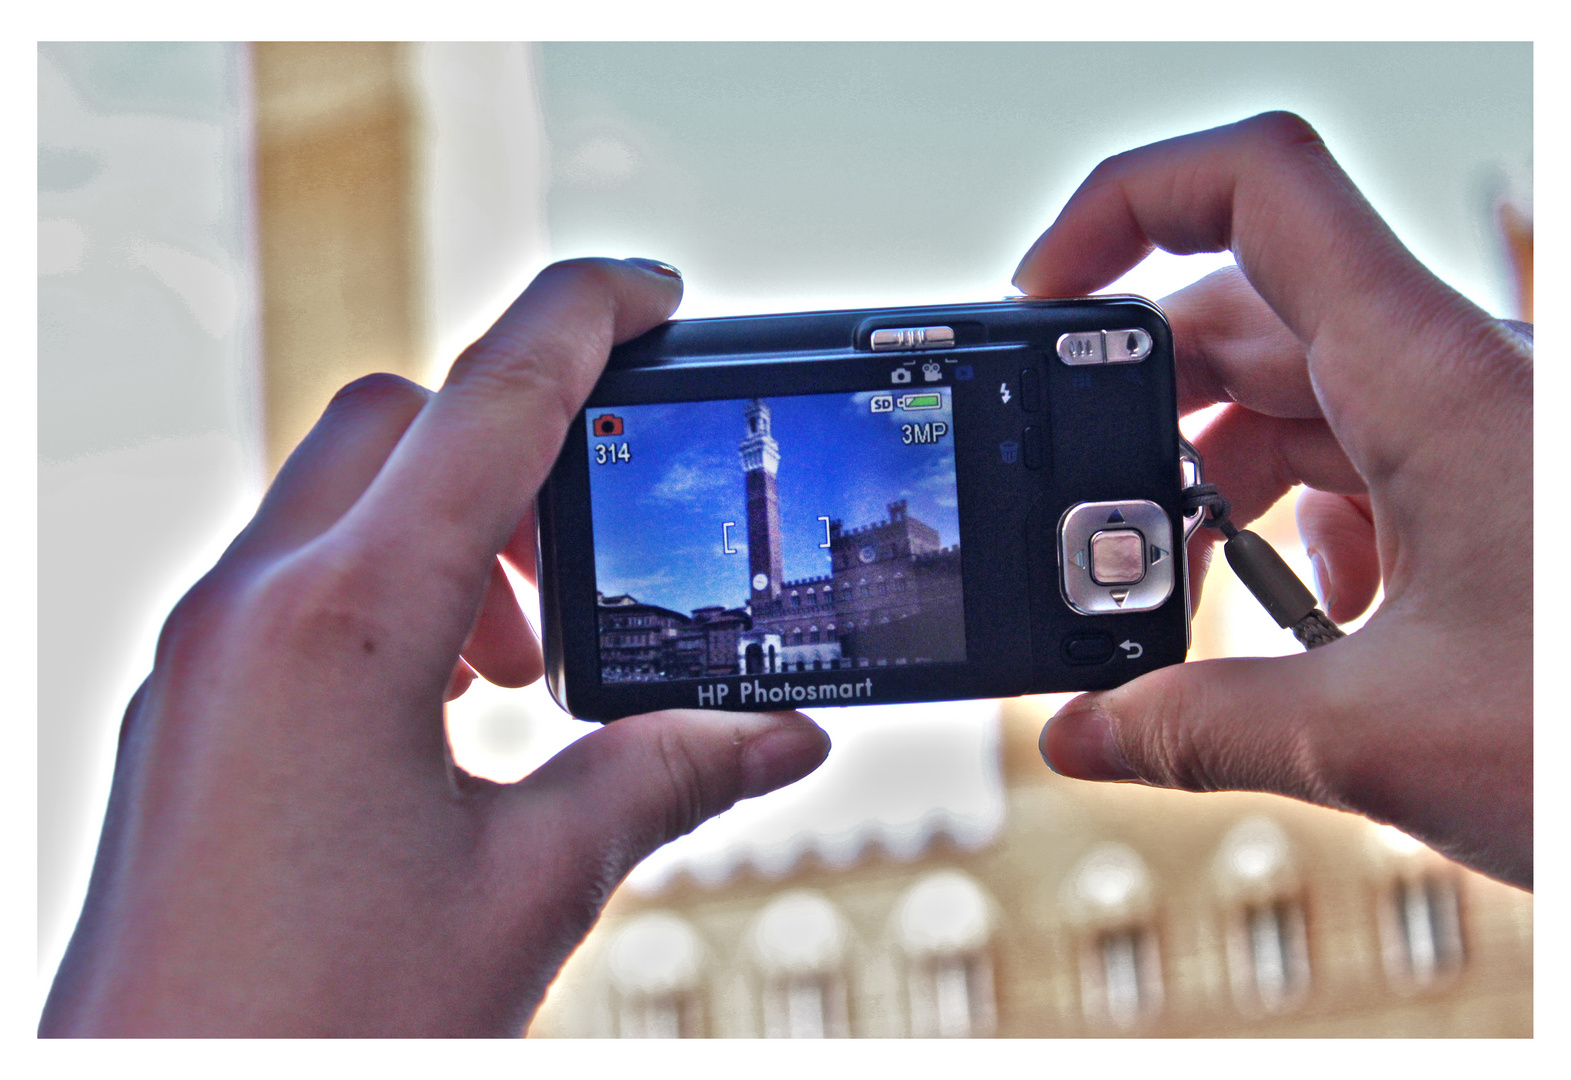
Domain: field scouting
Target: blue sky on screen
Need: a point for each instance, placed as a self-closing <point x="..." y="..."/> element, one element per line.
<point x="658" y="517"/>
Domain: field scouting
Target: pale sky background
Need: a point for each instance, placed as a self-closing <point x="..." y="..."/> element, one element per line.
<point x="776" y="177"/>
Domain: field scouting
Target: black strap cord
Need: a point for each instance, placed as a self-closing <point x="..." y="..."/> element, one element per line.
<point x="1262" y="570"/>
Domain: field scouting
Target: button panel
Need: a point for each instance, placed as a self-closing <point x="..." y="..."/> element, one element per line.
<point x="1115" y="556"/>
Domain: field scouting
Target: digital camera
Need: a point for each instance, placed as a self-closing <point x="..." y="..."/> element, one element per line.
<point x="865" y="507"/>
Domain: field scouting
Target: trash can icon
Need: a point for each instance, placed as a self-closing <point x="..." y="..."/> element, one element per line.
<point x="1009" y="450"/>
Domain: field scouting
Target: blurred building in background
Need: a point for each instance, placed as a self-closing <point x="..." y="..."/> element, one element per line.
<point x="1094" y="911"/>
<point x="265" y="223"/>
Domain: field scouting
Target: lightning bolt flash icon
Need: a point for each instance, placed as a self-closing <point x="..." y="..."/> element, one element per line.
<point x="1003" y="392"/>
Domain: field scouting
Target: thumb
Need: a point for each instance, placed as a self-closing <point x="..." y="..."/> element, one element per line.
<point x="598" y="808"/>
<point x="1214" y="725"/>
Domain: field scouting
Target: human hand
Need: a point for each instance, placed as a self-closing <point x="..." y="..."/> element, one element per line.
<point x="288" y="848"/>
<point x="1350" y="368"/>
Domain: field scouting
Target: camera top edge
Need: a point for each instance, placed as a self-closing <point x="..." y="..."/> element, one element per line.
<point x="846" y="331"/>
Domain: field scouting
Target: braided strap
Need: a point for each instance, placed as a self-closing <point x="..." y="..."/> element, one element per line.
<point x="1316" y="629"/>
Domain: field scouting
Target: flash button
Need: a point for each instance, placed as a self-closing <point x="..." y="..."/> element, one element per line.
<point x="1118" y="557"/>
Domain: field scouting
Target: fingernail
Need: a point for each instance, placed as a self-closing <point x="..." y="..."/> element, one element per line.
<point x="657" y="267"/>
<point x="1081" y="742"/>
<point x="1322" y="576"/>
<point x="782" y="756"/>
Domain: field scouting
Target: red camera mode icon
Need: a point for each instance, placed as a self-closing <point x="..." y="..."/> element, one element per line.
<point x="608" y="425"/>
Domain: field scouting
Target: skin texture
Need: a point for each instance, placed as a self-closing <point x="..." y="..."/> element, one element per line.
<point x="1407" y="411"/>
<point x="289" y="848"/>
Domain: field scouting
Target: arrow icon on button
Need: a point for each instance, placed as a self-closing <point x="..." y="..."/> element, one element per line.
<point x="1133" y="650"/>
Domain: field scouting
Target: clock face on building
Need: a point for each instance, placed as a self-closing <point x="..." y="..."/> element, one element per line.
<point x="868" y="554"/>
<point x="760" y="582"/>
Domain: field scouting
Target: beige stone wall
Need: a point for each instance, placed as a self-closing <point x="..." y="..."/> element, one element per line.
<point x="337" y="225"/>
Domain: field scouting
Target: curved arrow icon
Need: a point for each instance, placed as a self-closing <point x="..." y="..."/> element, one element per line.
<point x="1133" y="650"/>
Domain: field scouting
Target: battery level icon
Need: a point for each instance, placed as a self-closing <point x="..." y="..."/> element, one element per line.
<point x="914" y="402"/>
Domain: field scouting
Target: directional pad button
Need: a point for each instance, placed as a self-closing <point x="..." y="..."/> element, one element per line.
<point x="1118" y="557"/>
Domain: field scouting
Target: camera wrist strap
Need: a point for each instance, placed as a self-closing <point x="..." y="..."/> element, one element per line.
<point x="1262" y="571"/>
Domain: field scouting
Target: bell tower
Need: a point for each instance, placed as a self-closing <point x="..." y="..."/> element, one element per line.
<point x="760" y="461"/>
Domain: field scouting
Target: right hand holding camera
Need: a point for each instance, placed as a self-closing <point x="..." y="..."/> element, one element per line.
<point x="1407" y="411"/>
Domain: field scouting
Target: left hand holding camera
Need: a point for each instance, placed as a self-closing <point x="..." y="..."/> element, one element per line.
<point x="288" y="848"/>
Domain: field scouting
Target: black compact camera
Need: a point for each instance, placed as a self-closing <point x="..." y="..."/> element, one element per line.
<point x="864" y="507"/>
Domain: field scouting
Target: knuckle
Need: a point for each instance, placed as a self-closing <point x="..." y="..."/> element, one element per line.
<point x="193" y="620"/>
<point x="1173" y="752"/>
<point x="684" y="808"/>
<point x="320" y="608"/>
<point x="1110" y="170"/>
<point x="377" y="388"/>
<point x="588" y="275"/>
<point x="533" y="367"/>
<point x="1283" y="130"/>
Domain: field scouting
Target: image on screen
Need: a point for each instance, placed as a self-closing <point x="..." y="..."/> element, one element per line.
<point x="815" y="532"/>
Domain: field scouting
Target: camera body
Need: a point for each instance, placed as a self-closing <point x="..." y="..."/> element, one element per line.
<point x="868" y="507"/>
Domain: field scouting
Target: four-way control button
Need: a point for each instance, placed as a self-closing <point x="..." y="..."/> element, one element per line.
<point x="1116" y="556"/>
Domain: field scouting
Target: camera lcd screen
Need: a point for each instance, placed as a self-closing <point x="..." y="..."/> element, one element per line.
<point x="815" y="532"/>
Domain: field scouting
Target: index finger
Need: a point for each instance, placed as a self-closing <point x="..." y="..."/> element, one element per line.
<point x="465" y="474"/>
<point x="1374" y="320"/>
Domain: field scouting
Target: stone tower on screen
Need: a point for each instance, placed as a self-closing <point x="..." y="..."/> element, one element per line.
<point x="760" y="462"/>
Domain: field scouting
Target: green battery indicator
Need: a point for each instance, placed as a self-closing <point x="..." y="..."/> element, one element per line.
<point x="913" y="402"/>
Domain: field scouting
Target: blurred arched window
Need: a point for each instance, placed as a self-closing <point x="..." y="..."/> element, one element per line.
<point x="1419" y="913"/>
<point x="1267" y="943"/>
<point x="1120" y="960"/>
<point x="654" y="963"/>
<point x="799" y="943"/>
<point x="944" y="923"/>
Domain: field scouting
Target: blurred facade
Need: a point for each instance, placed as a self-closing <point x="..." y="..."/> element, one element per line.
<point x="1095" y="911"/>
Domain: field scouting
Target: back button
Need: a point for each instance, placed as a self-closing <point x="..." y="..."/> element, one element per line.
<point x="1087" y="648"/>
